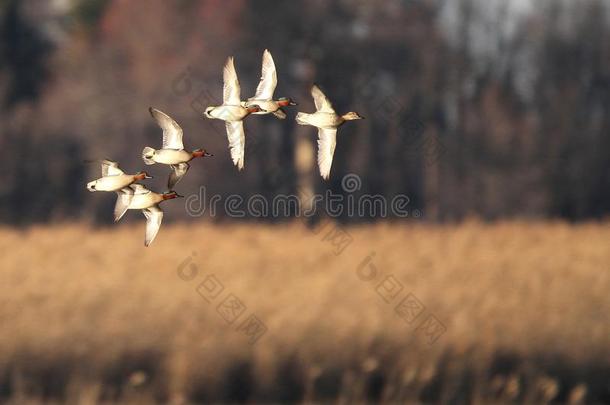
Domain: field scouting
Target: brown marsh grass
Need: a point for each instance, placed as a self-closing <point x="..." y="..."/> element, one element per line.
<point x="91" y="316"/>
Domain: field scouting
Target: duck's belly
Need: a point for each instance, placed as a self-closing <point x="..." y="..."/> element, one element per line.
<point x="229" y="113"/>
<point x="325" y="120"/>
<point x="171" y="156"/>
<point x="142" y="201"/>
<point x="113" y="183"/>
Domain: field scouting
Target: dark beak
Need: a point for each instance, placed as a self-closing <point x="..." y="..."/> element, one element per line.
<point x="179" y="196"/>
<point x="207" y="154"/>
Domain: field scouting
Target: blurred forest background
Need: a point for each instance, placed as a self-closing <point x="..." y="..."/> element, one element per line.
<point x="493" y="109"/>
<point x="474" y="107"/>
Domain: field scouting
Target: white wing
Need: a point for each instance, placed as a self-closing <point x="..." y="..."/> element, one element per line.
<point x="231" y="90"/>
<point x="110" y="168"/>
<point x="268" y="82"/>
<point x="237" y="142"/>
<point x="139" y="189"/>
<point x="154" y="216"/>
<point x="172" y="133"/>
<point x="327" y="140"/>
<point x="123" y="199"/>
<point x="322" y="103"/>
<point x="178" y="172"/>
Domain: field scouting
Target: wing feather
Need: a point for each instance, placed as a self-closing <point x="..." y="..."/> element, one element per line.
<point x="123" y="199"/>
<point x="110" y="168"/>
<point x="154" y="216"/>
<point x="172" y="133"/>
<point x="139" y="189"/>
<point x="268" y="82"/>
<point x="231" y="89"/>
<point x="237" y="142"/>
<point x="321" y="101"/>
<point x="177" y="173"/>
<point x="327" y="140"/>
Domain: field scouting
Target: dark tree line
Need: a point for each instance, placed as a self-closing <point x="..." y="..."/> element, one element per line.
<point x="466" y="117"/>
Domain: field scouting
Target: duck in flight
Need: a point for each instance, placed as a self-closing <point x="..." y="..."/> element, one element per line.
<point x="147" y="201"/>
<point x="233" y="112"/>
<point x="172" y="150"/>
<point x="114" y="179"/>
<point x="266" y="87"/>
<point x="327" y="121"/>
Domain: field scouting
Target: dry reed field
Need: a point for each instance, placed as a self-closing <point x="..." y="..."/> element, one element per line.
<point x="473" y="313"/>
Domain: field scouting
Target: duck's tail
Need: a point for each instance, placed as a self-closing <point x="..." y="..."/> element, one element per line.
<point x="147" y="154"/>
<point x="302" y="118"/>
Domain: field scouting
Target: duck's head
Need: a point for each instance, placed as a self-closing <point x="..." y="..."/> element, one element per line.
<point x="141" y="175"/>
<point x="208" y="112"/>
<point x="169" y="195"/>
<point x="253" y="108"/>
<point x="200" y="152"/>
<point x="352" y="116"/>
<point x="285" y="101"/>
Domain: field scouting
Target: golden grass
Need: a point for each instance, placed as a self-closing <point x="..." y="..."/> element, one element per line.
<point x="90" y="315"/>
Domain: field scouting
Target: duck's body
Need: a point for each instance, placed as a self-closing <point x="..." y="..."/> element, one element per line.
<point x="113" y="178"/>
<point x="172" y="152"/>
<point x="147" y="201"/>
<point x="169" y="156"/>
<point x="269" y="106"/>
<point x="264" y="92"/>
<point x="111" y="183"/>
<point x="232" y="112"/>
<point x="327" y="121"/>
<point x="229" y="113"/>
<point x="321" y="120"/>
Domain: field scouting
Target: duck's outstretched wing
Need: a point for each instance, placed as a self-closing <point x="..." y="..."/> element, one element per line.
<point x="123" y="199"/>
<point x="266" y="87"/>
<point x="231" y="89"/>
<point x="154" y="216"/>
<point x="327" y="140"/>
<point x="172" y="133"/>
<point x="237" y="142"/>
<point x="139" y="189"/>
<point x="321" y="101"/>
<point x="177" y="173"/>
<point x="110" y="168"/>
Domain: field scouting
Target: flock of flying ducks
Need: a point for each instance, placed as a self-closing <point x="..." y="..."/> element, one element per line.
<point x="233" y="111"/>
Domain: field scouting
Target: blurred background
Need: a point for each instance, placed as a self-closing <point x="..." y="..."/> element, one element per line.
<point x="490" y="115"/>
<point x="493" y="109"/>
